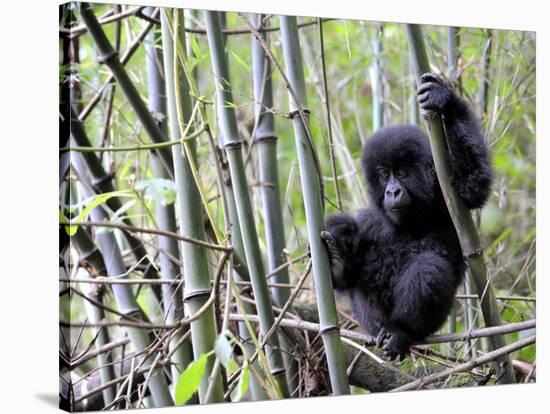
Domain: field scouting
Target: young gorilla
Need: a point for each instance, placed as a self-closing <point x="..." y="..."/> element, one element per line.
<point x="400" y="260"/>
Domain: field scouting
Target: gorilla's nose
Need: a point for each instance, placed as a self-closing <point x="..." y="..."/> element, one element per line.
<point x="393" y="193"/>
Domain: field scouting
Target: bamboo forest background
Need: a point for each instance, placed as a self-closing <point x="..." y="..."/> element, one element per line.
<point x="179" y="125"/>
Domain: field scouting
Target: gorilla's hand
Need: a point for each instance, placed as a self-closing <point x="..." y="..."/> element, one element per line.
<point x="334" y="255"/>
<point x="433" y="94"/>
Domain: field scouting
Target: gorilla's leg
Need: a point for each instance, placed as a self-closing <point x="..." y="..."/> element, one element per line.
<point x="423" y="295"/>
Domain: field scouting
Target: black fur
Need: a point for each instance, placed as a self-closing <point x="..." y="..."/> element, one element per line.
<point x="400" y="260"/>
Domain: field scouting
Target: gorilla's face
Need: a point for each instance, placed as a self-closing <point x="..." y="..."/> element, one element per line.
<point x="398" y="166"/>
<point x="396" y="198"/>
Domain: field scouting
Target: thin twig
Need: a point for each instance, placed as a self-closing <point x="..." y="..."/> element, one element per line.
<point x="329" y="120"/>
<point x="142" y="147"/>
<point x="263" y="29"/>
<point x="132" y="229"/>
<point x="80" y="30"/>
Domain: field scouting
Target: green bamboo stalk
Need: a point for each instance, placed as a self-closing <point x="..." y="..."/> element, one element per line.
<point x="311" y="187"/>
<point x="109" y="56"/>
<point x="483" y="89"/>
<point x="462" y="219"/>
<point x="452" y="64"/>
<point x="89" y="253"/>
<point x="414" y="116"/>
<point x="165" y="214"/>
<point x="256" y="390"/>
<point x="104" y="360"/>
<point x="453" y="41"/>
<point x="266" y="142"/>
<point x="195" y="260"/>
<point x="229" y="131"/>
<point x="376" y="78"/>
<point x="124" y="295"/>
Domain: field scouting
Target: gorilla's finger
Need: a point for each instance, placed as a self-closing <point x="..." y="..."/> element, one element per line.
<point x="428" y="76"/>
<point x="424" y="97"/>
<point x="391" y="355"/>
<point x="325" y="235"/>
<point x="381" y="337"/>
<point x="425" y="87"/>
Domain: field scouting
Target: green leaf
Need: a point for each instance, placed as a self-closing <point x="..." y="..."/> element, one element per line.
<point x="242" y="386"/>
<point x="91" y="203"/>
<point x="223" y="349"/>
<point x="190" y="379"/>
<point x="161" y="190"/>
<point x="240" y="61"/>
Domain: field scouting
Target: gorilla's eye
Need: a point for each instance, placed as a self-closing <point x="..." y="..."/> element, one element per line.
<point x="401" y="173"/>
<point x="382" y="174"/>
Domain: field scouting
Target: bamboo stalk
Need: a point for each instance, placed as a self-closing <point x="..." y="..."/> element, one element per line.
<point x="376" y="78"/>
<point x="462" y="219"/>
<point x="414" y="116"/>
<point x="483" y="89"/>
<point x="257" y="391"/>
<point x="104" y="360"/>
<point x="313" y="203"/>
<point x="232" y="144"/>
<point x="453" y="41"/>
<point x="109" y="56"/>
<point x="195" y="260"/>
<point x="124" y="295"/>
<point x="266" y="142"/>
<point x="452" y="64"/>
<point x="172" y="297"/>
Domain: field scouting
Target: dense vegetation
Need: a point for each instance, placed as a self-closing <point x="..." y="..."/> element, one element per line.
<point x="181" y="145"/>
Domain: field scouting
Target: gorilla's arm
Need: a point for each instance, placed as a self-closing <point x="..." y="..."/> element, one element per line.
<point x="469" y="159"/>
<point x="341" y="237"/>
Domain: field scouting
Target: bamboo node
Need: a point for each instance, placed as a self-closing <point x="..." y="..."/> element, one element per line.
<point x="278" y="372"/>
<point x="97" y="183"/>
<point x="473" y="253"/>
<point x="232" y="145"/>
<point x="197" y="294"/>
<point x="329" y="329"/>
<point x="293" y="114"/>
<point x="265" y="137"/>
<point x="429" y="115"/>
<point x="112" y="55"/>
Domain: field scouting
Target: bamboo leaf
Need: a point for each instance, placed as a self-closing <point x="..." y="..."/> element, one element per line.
<point x="91" y="203"/>
<point x="242" y="386"/>
<point x="223" y="349"/>
<point x="161" y="190"/>
<point x="241" y="61"/>
<point x="190" y="379"/>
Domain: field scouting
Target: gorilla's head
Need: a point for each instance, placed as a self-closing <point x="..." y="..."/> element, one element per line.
<point x="398" y="166"/>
